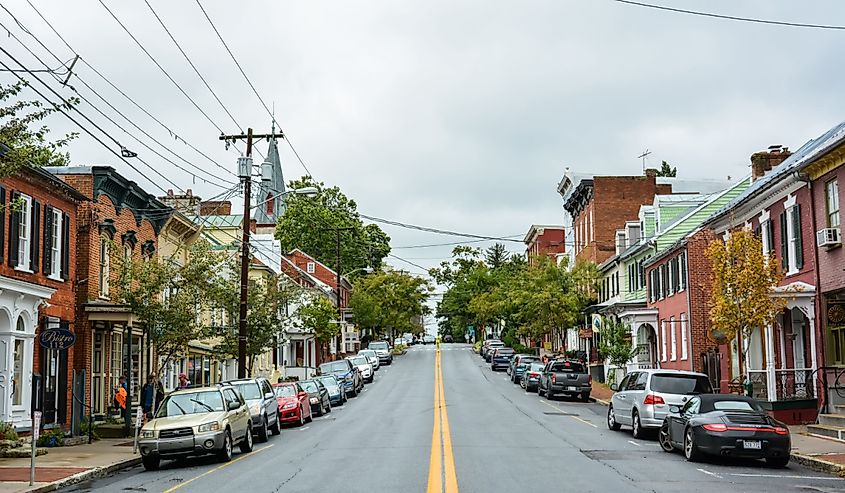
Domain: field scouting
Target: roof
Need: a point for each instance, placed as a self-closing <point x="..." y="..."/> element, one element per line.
<point x="274" y="187"/>
<point x="219" y="221"/>
<point x="532" y="231"/>
<point x="801" y="158"/>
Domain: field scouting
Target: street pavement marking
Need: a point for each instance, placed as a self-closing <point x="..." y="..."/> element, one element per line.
<point x="784" y="476"/>
<point x="634" y="443"/>
<point x="441" y="470"/>
<point x="584" y="421"/>
<point x="206" y="473"/>
<point x="710" y="473"/>
<point x="304" y="428"/>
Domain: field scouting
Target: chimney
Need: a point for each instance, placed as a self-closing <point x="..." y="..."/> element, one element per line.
<point x="215" y="208"/>
<point x="651" y="172"/>
<point x="763" y="162"/>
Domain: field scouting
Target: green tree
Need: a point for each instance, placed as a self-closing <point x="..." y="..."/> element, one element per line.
<point x="496" y="256"/>
<point x="615" y="344"/>
<point x="308" y="224"/>
<point x="390" y="300"/>
<point x="24" y="137"/>
<point x="319" y="315"/>
<point x="667" y="170"/>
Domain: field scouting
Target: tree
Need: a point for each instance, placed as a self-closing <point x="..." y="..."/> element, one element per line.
<point x="27" y="143"/>
<point x="615" y="343"/>
<point x="743" y="279"/>
<point x="319" y="315"/>
<point x="496" y="255"/>
<point x="308" y="224"/>
<point x="667" y="170"/>
<point x="390" y="300"/>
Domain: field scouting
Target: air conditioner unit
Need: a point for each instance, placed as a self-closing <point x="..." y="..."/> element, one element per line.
<point x="828" y="238"/>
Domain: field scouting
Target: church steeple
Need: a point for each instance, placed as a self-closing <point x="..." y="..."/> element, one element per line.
<point x="270" y="191"/>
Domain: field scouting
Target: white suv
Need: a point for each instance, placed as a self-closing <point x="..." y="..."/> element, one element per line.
<point x="643" y="397"/>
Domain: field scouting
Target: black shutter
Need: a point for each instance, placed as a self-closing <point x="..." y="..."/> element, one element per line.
<point x="35" y="235"/>
<point x="784" y="242"/>
<point x="14" y="230"/>
<point x="799" y="244"/>
<point x="48" y="240"/>
<point x="65" y="247"/>
<point x="2" y="221"/>
<point x="770" y="232"/>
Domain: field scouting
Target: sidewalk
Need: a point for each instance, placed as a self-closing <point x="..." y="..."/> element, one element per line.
<point x="822" y="454"/>
<point x="67" y="465"/>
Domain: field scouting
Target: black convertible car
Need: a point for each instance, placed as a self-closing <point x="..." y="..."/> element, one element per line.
<point x="724" y="424"/>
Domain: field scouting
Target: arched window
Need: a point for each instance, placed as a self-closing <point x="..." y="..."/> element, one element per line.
<point x="271" y="204"/>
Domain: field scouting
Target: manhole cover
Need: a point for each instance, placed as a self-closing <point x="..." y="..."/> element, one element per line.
<point x="558" y="413"/>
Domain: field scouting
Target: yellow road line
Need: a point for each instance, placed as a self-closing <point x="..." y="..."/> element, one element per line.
<point x="573" y="417"/>
<point x="442" y="459"/>
<point x="206" y="473"/>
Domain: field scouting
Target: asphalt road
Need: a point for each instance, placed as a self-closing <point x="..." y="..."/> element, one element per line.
<point x="402" y="435"/>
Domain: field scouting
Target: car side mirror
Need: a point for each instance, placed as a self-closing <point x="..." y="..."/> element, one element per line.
<point x="269" y="395"/>
<point x="233" y="405"/>
<point x="614" y="387"/>
<point x="674" y="409"/>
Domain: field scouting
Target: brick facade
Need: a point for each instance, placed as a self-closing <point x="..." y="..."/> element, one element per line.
<point x="545" y="240"/>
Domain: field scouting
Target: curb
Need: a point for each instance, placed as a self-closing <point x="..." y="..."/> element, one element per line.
<point x="601" y="401"/>
<point x="815" y="463"/>
<point x="94" y="473"/>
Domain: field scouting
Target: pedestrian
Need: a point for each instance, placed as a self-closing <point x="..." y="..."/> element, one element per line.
<point x="120" y="397"/>
<point x="151" y="395"/>
<point x="184" y="383"/>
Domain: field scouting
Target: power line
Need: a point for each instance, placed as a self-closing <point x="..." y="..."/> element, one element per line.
<point x="418" y="266"/>
<point x="436" y="230"/>
<point x="452" y="243"/>
<point x="732" y="17"/>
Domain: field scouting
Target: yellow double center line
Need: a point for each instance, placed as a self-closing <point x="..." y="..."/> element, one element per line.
<point x="441" y="469"/>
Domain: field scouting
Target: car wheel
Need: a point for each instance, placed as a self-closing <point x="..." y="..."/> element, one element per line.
<point x="585" y="397"/>
<point x="301" y="417"/>
<point x="636" y="425"/>
<point x="612" y="424"/>
<point x="262" y="432"/>
<point x="690" y="448"/>
<point x="663" y="438"/>
<point x="151" y="462"/>
<point x="277" y="427"/>
<point x="247" y="443"/>
<point x="779" y="462"/>
<point x="329" y="409"/>
<point x="225" y="453"/>
<point x="353" y="393"/>
<point x="310" y="414"/>
<point x="549" y="395"/>
<point x="322" y="411"/>
<point x="540" y="390"/>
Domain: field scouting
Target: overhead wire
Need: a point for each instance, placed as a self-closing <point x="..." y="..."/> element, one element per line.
<point x="436" y="230"/>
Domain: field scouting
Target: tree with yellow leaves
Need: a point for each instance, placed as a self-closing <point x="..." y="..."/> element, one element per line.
<point x="743" y="279"/>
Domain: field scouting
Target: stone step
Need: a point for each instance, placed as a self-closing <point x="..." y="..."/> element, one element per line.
<point x="828" y="431"/>
<point x="840" y="408"/>
<point x="832" y="420"/>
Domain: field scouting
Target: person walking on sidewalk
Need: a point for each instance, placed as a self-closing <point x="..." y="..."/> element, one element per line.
<point x="120" y="398"/>
<point x="184" y="383"/>
<point x="151" y="395"/>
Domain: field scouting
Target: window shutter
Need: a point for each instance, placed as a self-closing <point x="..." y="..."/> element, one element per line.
<point x="2" y="220"/>
<point x="14" y="230"/>
<point x="784" y="242"/>
<point x="35" y="235"/>
<point x="799" y="244"/>
<point x="770" y="232"/>
<point x="48" y="240"/>
<point x="66" y="247"/>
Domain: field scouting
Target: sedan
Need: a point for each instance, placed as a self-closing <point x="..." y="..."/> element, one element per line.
<point x="518" y="365"/>
<point x="530" y="380"/>
<point x="294" y="403"/>
<point x="336" y="394"/>
<point x="725" y="425"/>
<point x="364" y="366"/>
<point x="501" y="358"/>
<point x="318" y="396"/>
<point x="371" y="356"/>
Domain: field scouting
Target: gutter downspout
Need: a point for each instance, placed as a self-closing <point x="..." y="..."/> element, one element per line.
<point x="817" y="301"/>
<point x="689" y="309"/>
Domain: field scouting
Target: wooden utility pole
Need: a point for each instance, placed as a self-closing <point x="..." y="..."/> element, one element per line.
<point x="337" y="232"/>
<point x="245" y="174"/>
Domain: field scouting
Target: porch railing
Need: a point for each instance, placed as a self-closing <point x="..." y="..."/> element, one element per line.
<point x="792" y="383"/>
<point x="759" y="380"/>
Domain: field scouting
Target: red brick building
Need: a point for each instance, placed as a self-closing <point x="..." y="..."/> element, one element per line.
<point x="122" y="219"/>
<point x="545" y="240"/>
<point x="37" y="292"/>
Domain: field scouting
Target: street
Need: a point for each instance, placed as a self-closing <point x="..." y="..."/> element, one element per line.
<point x="500" y="438"/>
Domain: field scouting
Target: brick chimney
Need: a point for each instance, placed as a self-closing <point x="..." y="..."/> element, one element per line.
<point x="215" y="208"/>
<point x="763" y="162"/>
<point x="651" y="172"/>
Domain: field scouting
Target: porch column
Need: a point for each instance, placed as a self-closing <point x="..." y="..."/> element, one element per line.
<point x="771" y="388"/>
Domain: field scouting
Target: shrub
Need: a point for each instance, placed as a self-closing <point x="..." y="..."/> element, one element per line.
<point x="7" y="431"/>
<point x="85" y="425"/>
<point x="52" y="438"/>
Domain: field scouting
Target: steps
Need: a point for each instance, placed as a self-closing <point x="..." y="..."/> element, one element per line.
<point x="830" y="425"/>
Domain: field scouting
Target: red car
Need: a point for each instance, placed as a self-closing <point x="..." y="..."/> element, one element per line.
<point x="294" y="406"/>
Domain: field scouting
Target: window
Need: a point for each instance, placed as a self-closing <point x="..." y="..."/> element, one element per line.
<point x="309" y="267"/>
<point x="17" y="376"/>
<point x="684" y="336"/>
<point x="832" y="200"/>
<point x="105" y="267"/>
<point x="117" y="361"/>
<point x="24" y="231"/>
<point x="674" y="346"/>
<point x="271" y="204"/>
<point x="56" y="244"/>
<point x="767" y="236"/>
<point x="670" y="268"/>
<point x="663" y="342"/>
<point x="683" y="270"/>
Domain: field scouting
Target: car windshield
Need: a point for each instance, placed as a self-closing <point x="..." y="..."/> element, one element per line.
<point x="680" y="384"/>
<point x="568" y="367"/>
<point x="504" y="352"/>
<point x="360" y="361"/>
<point x="734" y="406"/>
<point x="329" y="382"/>
<point x="334" y="366"/>
<point x="535" y="367"/>
<point x="191" y="403"/>
<point x="285" y="390"/>
<point x="249" y="390"/>
<point x="309" y="386"/>
<point x="367" y="352"/>
<point x="379" y="345"/>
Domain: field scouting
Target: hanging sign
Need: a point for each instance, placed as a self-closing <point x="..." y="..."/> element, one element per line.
<point x="57" y="338"/>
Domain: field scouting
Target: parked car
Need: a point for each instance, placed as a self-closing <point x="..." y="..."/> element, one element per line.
<point x="530" y="380"/>
<point x="346" y="373"/>
<point x="197" y="421"/>
<point x="427" y="339"/>
<point x="398" y="341"/>
<point x="371" y="356"/>
<point x="643" y="397"/>
<point x="486" y="345"/>
<point x="725" y="425"/>
<point x="318" y="396"/>
<point x="365" y="366"/>
<point x="336" y="394"/>
<point x="448" y="338"/>
<point x="565" y="377"/>
<point x="382" y="349"/>
<point x="501" y="358"/>
<point x="518" y="365"/>
<point x="263" y="408"/>
<point x="488" y="357"/>
<point x="294" y="404"/>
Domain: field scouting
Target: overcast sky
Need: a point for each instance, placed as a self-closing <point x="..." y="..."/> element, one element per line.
<point x="456" y="115"/>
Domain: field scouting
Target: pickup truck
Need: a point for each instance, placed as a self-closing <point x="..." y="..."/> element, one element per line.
<point x="565" y="377"/>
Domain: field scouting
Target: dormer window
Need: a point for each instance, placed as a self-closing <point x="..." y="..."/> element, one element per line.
<point x="310" y="267"/>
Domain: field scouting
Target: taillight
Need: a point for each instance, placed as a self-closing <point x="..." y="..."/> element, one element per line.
<point x="533" y="374"/>
<point x="589" y="379"/>
<point x="653" y="399"/>
<point x="780" y="430"/>
<point x="553" y="377"/>
<point x="717" y="427"/>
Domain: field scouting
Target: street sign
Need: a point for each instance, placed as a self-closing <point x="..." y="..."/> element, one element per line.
<point x="547" y="346"/>
<point x="36" y="425"/>
<point x="139" y="416"/>
<point x="60" y="338"/>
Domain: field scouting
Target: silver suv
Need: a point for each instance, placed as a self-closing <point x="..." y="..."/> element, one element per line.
<point x="263" y="407"/>
<point x="643" y="397"/>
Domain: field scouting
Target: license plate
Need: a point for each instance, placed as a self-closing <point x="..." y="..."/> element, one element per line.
<point x="572" y="388"/>
<point x="752" y="444"/>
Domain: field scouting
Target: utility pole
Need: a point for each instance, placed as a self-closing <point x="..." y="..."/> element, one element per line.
<point x="245" y="174"/>
<point x="337" y="286"/>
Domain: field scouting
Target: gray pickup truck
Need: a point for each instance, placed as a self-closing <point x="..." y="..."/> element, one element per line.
<point x="565" y="377"/>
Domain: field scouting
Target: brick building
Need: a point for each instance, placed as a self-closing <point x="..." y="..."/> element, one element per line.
<point x="121" y="220"/>
<point x="37" y="292"/>
<point x="545" y="240"/>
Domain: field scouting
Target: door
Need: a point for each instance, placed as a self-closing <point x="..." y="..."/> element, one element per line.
<point x="799" y="360"/>
<point x="679" y="423"/>
<point x="97" y="376"/>
<point x="50" y="363"/>
<point x="238" y="426"/>
<point x="622" y="398"/>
